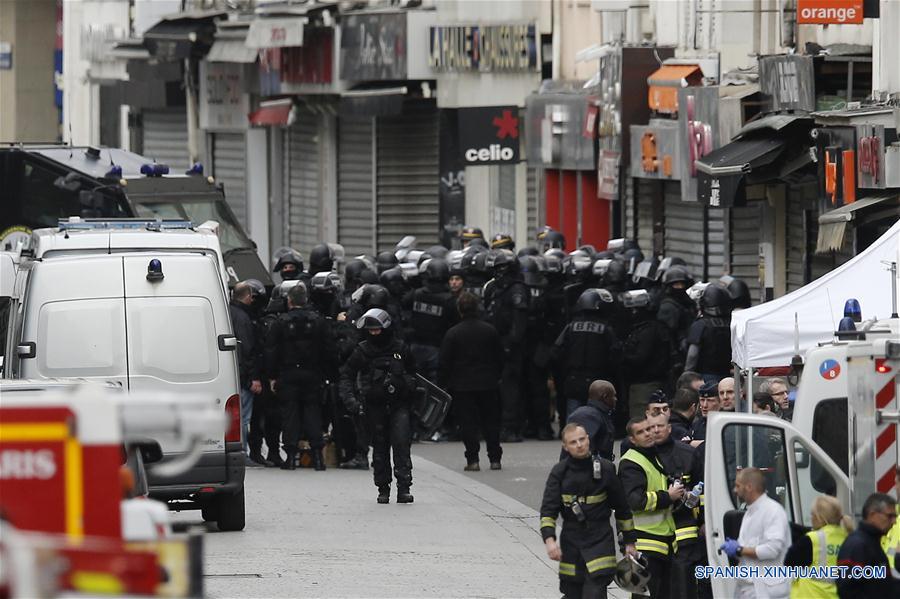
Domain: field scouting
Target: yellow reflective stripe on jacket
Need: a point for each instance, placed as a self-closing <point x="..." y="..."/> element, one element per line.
<point x="652" y="545"/>
<point x="651" y="501"/>
<point x="686" y="533"/>
<point x="653" y="519"/>
<point x="648" y="519"/>
<point x="826" y="542"/>
<point x="601" y="563"/>
<point x="625" y="525"/>
<point x="548" y="522"/>
<point x="586" y="499"/>
<point x="566" y="569"/>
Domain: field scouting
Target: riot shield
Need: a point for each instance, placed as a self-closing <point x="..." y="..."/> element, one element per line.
<point x="430" y="405"/>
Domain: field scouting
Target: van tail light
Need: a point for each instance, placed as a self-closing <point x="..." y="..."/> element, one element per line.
<point x="233" y="409"/>
<point x="881" y="366"/>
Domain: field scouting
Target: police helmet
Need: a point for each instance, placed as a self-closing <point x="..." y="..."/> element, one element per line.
<point x="326" y="282"/>
<point x="677" y="274"/>
<point x="352" y="272"/>
<point x="600" y="267"/>
<point x="667" y="263"/>
<point x="284" y="287"/>
<point x="502" y="261"/>
<point x="376" y="296"/>
<point x="588" y="249"/>
<point x="645" y="271"/>
<point x="577" y="263"/>
<point x="616" y="273"/>
<point x="715" y="301"/>
<point x="385" y="260"/>
<point x="393" y="279"/>
<point x="479" y="242"/>
<point x="528" y="251"/>
<point x="368" y="277"/>
<point x="438" y="251"/>
<point x="633" y="574"/>
<point x="256" y="287"/>
<point x="288" y="256"/>
<point x="471" y="233"/>
<point x="502" y="241"/>
<point x="550" y="238"/>
<point x="696" y="290"/>
<point x="553" y="260"/>
<point x="737" y="291"/>
<point x="605" y="255"/>
<point x="594" y="300"/>
<point x="374" y="318"/>
<point x="437" y="271"/>
<point x="637" y="298"/>
<point x="532" y="270"/>
<point x="632" y="258"/>
<point x="321" y="259"/>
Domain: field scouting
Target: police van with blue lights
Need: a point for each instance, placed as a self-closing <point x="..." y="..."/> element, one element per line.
<point x="142" y="304"/>
<point x="44" y="183"/>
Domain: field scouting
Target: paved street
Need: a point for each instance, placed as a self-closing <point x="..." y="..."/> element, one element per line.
<point x="315" y="534"/>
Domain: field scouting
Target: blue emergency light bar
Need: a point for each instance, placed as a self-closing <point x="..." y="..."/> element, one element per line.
<point x="95" y="224"/>
<point x="155" y="169"/>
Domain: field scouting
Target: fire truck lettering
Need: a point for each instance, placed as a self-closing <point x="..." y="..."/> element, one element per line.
<point x="16" y="464"/>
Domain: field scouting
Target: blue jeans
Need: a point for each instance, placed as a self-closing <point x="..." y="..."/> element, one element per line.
<point x="246" y="413"/>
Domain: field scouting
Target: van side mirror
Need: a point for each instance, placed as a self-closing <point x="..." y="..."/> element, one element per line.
<point x="227" y="342"/>
<point x="27" y="349"/>
<point x="151" y="452"/>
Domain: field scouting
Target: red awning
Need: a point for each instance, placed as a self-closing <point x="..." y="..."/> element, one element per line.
<point x="277" y="112"/>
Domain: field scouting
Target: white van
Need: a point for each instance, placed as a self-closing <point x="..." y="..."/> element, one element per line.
<point x="142" y="304"/>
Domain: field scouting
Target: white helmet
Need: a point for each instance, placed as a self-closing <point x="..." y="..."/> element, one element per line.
<point x="633" y="574"/>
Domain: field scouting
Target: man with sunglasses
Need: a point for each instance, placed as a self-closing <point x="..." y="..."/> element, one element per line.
<point x="863" y="548"/>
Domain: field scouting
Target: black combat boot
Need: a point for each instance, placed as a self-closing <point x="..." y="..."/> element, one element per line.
<point x="358" y="462"/>
<point x="318" y="460"/>
<point x="384" y="494"/>
<point x="274" y="458"/>
<point x="403" y="495"/>
<point x="290" y="463"/>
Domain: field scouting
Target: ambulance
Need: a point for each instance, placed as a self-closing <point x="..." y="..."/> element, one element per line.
<point x="141" y="304"/>
<point x="69" y="523"/>
<point x="842" y="440"/>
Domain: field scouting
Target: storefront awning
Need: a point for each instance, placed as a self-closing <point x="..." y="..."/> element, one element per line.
<point x="276" y="113"/>
<point x="231" y="50"/>
<point x="379" y="101"/>
<point x="721" y="173"/>
<point x="276" y="32"/>
<point x="675" y="75"/>
<point x="833" y="224"/>
<point x="175" y="37"/>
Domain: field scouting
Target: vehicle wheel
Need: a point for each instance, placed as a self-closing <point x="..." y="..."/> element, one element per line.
<point x="230" y="510"/>
<point x="209" y="513"/>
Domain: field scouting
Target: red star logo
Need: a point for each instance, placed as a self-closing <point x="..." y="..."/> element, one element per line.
<point x="508" y="125"/>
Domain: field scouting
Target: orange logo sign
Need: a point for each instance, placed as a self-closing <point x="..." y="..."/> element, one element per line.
<point x="830" y="12"/>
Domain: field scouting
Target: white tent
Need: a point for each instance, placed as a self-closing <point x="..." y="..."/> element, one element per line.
<point x="764" y="335"/>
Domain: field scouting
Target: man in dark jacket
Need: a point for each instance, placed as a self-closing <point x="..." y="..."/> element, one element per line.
<point x="684" y="407"/>
<point x="471" y="363"/>
<point x="597" y="418"/>
<point x="709" y="402"/>
<point x="863" y="548"/>
<point x="241" y="321"/>
<point x="584" y="491"/>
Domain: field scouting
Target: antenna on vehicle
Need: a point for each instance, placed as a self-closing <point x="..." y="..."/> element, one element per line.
<point x="892" y="266"/>
<point x="797" y="359"/>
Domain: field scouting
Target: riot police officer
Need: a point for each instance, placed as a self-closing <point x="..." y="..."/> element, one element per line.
<point x="537" y="351"/>
<point x="709" y="338"/>
<point x="469" y="234"/>
<point x="300" y="356"/>
<point x="321" y="259"/>
<point x="550" y="238"/>
<point x="432" y="313"/>
<point x="385" y="260"/>
<point x="677" y="311"/>
<point x="378" y="381"/>
<point x="503" y="241"/>
<point x="588" y="348"/>
<point x="289" y="265"/>
<point x="506" y="302"/>
<point x="646" y="351"/>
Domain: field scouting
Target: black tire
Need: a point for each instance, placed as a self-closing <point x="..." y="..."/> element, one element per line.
<point x="209" y="512"/>
<point x="230" y="511"/>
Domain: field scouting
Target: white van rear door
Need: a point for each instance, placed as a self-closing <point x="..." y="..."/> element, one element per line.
<point x="797" y="471"/>
<point x="174" y="330"/>
<point x="75" y="320"/>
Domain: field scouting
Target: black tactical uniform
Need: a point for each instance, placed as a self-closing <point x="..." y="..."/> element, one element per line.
<point x="536" y="367"/>
<point x="506" y="303"/>
<point x="300" y="356"/>
<point x="432" y="312"/>
<point x="587" y="349"/>
<point x="377" y="381"/>
<point x="556" y="317"/>
<point x="709" y="338"/>
<point x="646" y="352"/>
<point x="681" y="461"/>
<point x="587" y="542"/>
<point x="265" y="422"/>
<point x="677" y="311"/>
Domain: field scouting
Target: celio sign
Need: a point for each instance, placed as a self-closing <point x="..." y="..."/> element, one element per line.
<point x="830" y="12"/>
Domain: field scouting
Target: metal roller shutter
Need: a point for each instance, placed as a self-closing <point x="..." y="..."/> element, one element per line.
<point x="684" y="229"/>
<point x="642" y="202"/>
<point x="797" y="244"/>
<point x="745" y="223"/>
<point x="356" y="185"/>
<point x="534" y="204"/>
<point x="301" y="182"/>
<point x="715" y="243"/>
<point x="229" y="167"/>
<point x="408" y="176"/>
<point x="166" y="138"/>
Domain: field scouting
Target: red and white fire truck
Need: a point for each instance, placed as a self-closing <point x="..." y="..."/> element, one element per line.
<point x="69" y="523"/>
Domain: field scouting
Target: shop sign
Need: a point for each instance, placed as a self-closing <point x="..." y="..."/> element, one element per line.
<point x="870" y="156"/>
<point x="276" y="32"/>
<point x="373" y="47"/>
<point x="830" y="12"/>
<point x="489" y="135"/>
<point x="223" y="101"/>
<point x="484" y="48"/>
<point x="698" y="130"/>
<point x="608" y="175"/>
<point x="787" y="82"/>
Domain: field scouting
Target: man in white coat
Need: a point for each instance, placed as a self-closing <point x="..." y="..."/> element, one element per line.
<point x="764" y="539"/>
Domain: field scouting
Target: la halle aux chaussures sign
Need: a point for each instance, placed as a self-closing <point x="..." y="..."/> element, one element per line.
<point x="830" y="12"/>
<point x="489" y="135"/>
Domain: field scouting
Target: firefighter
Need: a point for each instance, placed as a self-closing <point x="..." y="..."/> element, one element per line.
<point x="378" y="381"/>
<point x="585" y="490"/>
<point x="651" y="497"/>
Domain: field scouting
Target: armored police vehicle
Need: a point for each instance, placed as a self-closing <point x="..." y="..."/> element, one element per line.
<point x="44" y="183"/>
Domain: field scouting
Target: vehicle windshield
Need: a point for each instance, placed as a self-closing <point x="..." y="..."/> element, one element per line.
<point x="197" y="210"/>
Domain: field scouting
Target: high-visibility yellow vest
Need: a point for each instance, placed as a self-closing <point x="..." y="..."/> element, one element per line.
<point x="890" y="541"/>
<point x="826" y="542"/>
<point x="652" y="520"/>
